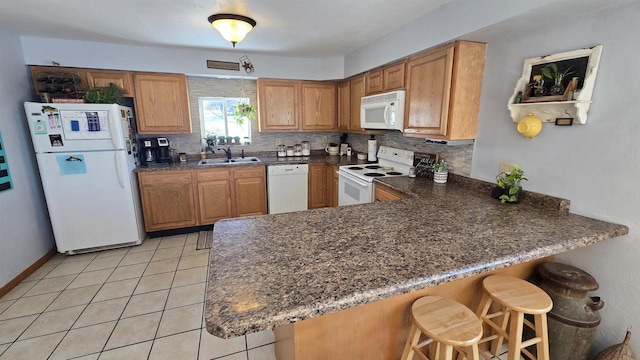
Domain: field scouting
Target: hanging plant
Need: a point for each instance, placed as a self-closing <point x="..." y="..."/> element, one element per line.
<point x="244" y="111"/>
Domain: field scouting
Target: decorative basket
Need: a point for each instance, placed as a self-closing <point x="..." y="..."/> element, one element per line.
<point x="440" y="177"/>
<point x="619" y="351"/>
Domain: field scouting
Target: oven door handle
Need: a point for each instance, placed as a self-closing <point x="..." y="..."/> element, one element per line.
<point x="353" y="178"/>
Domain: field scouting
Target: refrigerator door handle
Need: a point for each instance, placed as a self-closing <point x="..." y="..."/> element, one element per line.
<point x="112" y="127"/>
<point x="118" y="172"/>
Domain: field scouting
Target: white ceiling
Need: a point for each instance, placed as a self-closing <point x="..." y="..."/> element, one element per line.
<point x="298" y="28"/>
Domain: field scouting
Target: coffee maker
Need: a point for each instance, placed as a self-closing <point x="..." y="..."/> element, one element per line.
<point x="154" y="151"/>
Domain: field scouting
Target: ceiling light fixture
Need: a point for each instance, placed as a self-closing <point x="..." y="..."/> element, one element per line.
<point x="233" y="28"/>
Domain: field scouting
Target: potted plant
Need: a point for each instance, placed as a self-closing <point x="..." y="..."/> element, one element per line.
<point x="211" y="141"/>
<point x="509" y="184"/>
<point x="244" y="111"/>
<point x="108" y="95"/>
<point x="229" y="140"/>
<point x="236" y="139"/>
<point x="440" y="171"/>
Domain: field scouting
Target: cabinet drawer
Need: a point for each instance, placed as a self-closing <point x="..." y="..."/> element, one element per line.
<point x="250" y="172"/>
<point x="165" y="177"/>
<point x="210" y="175"/>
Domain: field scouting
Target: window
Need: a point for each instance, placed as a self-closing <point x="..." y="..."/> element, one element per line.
<point x="217" y="117"/>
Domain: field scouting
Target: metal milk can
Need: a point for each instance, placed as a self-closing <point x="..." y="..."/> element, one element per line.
<point x="574" y="319"/>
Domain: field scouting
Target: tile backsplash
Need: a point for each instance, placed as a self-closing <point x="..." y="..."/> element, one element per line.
<point x="459" y="157"/>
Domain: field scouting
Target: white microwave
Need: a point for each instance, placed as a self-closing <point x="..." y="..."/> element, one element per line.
<point x="383" y="111"/>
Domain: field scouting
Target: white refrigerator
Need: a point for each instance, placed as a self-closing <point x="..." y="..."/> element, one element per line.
<point x="86" y="157"/>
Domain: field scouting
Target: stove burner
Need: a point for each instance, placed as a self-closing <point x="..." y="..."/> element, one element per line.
<point x="372" y="167"/>
<point x="394" y="173"/>
<point x="355" y="168"/>
<point x="373" y="174"/>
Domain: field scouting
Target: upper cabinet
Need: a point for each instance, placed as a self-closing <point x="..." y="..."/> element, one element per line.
<point x="278" y="104"/>
<point x="162" y="103"/>
<point x="344" y="105"/>
<point x="388" y="78"/>
<point x="283" y="102"/>
<point x="443" y="91"/>
<point x="357" y="92"/>
<point x="103" y="78"/>
<point x="318" y="105"/>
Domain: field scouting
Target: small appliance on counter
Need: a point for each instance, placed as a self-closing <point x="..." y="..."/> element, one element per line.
<point x="154" y="151"/>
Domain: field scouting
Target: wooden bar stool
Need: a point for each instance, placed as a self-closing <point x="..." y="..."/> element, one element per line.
<point x="515" y="298"/>
<point x="448" y="326"/>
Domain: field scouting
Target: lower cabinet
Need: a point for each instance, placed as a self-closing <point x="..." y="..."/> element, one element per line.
<point x="323" y="185"/>
<point x="385" y="193"/>
<point x="215" y="195"/>
<point x="168" y="200"/>
<point x="179" y="199"/>
<point x="250" y="188"/>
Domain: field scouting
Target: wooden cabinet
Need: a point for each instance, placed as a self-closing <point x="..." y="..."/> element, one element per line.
<point x="357" y="92"/>
<point x="443" y="91"/>
<point x="278" y="103"/>
<point x="59" y="82"/>
<point x="374" y="81"/>
<point x="318" y="105"/>
<point x="250" y="189"/>
<point x="318" y="185"/>
<point x="332" y="193"/>
<point x="344" y="105"/>
<point x="215" y="197"/>
<point x="162" y="103"/>
<point x="168" y="200"/>
<point x="385" y="193"/>
<point x="323" y="185"/>
<point x="388" y="78"/>
<point x="103" y="78"/>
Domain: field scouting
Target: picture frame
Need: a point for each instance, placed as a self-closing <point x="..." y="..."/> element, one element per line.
<point x="581" y="63"/>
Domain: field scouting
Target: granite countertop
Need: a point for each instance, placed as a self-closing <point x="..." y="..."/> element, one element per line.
<point x="267" y="158"/>
<point x="271" y="270"/>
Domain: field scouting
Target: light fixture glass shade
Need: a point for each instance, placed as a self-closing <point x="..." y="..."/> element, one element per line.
<point x="233" y="28"/>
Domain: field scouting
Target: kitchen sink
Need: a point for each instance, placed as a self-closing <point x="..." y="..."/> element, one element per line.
<point x="238" y="160"/>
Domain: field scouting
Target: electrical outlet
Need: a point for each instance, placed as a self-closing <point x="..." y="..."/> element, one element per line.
<point x="324" y="139"/>
<point x="175" y="144"/>
<point x="278" y="142"/>
<point x="505" y="167"/>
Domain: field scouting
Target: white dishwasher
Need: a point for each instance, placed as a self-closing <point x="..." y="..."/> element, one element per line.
<point x="287" y="188"/>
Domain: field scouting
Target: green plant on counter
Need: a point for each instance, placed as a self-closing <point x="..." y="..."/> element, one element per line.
<point x="510" y="182"/>
<point x="211" y="141"/>
<point x="108" y="95"/>
<point x="331" y="144"/>
<point x="440" y="166"/>
<point x="236" y="139"/>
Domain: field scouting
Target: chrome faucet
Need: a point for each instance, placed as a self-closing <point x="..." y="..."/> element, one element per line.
<point x="227" y="151"/>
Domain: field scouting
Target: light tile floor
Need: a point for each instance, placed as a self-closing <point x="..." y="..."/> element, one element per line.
<point x="143" y="302"/>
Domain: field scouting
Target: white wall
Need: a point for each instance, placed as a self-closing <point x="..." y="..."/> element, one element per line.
<point x="41" y="51"/>
<point x="449" y="22"/>
<point x="596" y="165"/>
<point x="25" y="231"/>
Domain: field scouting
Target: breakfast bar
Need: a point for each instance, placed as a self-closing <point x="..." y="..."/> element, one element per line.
<point x="336" y="282"/>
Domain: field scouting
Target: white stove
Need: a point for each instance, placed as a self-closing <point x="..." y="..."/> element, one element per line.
<point x="355" y="182"/>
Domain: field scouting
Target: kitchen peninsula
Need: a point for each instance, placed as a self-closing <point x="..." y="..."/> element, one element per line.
<point x="336" y="282"/>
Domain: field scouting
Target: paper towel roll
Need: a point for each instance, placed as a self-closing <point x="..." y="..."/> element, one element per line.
<point x="372" y="150"/>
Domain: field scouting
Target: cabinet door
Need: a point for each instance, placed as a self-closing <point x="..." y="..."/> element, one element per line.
<point x="344" y="105"/>
<point x="332" y="188"/>
<point x="357" y="92"/>
<point x="317" y="185"/>
<point x="103" y="78"/>
<point x="214" y="195"/>
<point x="385" y="193"/>
<point x="250" y="191"/>
<point x="162" y="103"/>
<point x="428" y="93"/>
<point x="168" y="200"/>
<point x="393" y="77"/>
<point x="318" y="106"/>
<point x="374" y="82"/>
<point x="278" y="102"/>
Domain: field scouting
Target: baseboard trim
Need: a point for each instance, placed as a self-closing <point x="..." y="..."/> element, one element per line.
<point x="28" y="271"/>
